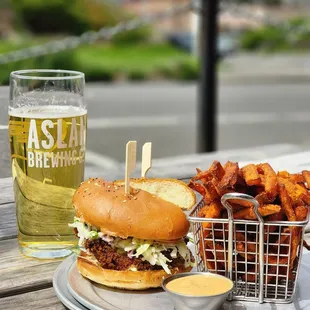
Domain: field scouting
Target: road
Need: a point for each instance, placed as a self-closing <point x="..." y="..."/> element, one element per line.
<point x="165" y="113"/>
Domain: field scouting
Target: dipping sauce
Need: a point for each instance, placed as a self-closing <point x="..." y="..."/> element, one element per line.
<point x="200" y="285"/>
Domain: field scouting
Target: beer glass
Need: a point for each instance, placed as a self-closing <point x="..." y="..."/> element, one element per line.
<point x="47" y="132"/>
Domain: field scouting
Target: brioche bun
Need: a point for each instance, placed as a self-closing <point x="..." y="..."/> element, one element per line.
<point x="174" y="191"/>
<point x="140" y="215"/>
<point x="127" y="279"/>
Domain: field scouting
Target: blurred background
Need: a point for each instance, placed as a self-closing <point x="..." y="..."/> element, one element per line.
<point x="142" y="83"/>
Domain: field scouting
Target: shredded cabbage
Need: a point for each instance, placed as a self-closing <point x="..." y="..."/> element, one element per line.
<point x="151" y="251"/>
<point x="147" y="250"/>
<point x="84" y="231"/>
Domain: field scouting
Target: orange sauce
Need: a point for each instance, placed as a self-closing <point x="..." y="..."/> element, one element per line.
<point x="200" y="285"/>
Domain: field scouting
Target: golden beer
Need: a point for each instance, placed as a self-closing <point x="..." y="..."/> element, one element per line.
<point x="48" y="153"/>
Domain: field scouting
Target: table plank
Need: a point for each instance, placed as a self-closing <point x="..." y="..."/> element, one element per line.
<point x="43" y="299"/>
<point x="7" y="194"/>
<point x="20" y="274"/>
<point x="8" y="229"/>
<point x="185" y="165"/>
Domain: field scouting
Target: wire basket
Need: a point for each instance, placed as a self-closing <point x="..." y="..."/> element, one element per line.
<point x="262" y="258"/>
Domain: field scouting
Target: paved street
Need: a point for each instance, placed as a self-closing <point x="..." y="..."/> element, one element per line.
<point x="165" y="113"/>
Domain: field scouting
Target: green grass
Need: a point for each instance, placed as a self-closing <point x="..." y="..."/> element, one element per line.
<point x="106" y="62"/>
<point x="129" y="57"/>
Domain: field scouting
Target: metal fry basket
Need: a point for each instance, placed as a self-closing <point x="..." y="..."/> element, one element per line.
<point x="262" y="258"/>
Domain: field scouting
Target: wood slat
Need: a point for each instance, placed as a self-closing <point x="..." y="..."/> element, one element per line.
<point x="7" y="195"/>
<point x="19" y="274"/>
<point x="8" y="228"/>
<point x="43" y="299"/>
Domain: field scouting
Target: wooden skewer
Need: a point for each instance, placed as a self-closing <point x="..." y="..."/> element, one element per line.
<point x="131" y="157"/>
<point x="146" y="158"/>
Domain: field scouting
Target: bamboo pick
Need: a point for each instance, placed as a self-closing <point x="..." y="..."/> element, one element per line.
<point x="131" y="157"/>
<point x="146" y="163"/>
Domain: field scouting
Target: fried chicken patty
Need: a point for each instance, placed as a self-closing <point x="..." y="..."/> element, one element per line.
<point x="116" y="259"/>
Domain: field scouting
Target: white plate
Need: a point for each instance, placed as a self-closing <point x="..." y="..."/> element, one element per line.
<point x="60" y="285"/>
<point x="98" y="297"/>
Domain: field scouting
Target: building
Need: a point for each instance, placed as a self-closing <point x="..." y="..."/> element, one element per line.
<point x="181" y="23"/>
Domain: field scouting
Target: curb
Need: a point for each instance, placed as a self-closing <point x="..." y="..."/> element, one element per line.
<point x="262" y="78"/>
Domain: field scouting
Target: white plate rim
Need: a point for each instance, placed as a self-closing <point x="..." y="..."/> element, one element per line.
<point x="83" y="300"/>
<point x="62" y="271"/>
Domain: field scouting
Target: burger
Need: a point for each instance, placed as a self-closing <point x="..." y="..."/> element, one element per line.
<point x="132" y="241"/>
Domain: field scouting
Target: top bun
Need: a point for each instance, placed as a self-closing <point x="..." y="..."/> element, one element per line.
<point x="140" y="215"/>
<point x="171" y="190"/>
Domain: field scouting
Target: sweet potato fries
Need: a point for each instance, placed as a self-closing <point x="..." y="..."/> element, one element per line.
<point x="282" y="197"/>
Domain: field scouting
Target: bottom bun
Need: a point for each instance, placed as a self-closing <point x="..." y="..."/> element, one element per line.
<point x="127" y="279"/>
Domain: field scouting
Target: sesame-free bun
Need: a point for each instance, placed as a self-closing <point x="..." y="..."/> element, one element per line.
<point x="124" y="279"/>
<point x="172" y="190"/>
<point x="140" y="215"/>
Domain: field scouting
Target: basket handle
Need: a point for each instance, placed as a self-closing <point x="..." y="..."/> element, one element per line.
<point x="240" y="196"/>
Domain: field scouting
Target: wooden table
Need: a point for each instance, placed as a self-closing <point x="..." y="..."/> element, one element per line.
<point x="27" y="283"/>
<point x="24" y="283"/>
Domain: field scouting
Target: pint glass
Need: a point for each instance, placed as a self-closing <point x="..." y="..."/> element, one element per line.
<point x="47" y="132"/>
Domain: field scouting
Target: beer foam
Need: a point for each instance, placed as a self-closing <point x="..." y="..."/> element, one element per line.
<point x="50" y="111"/>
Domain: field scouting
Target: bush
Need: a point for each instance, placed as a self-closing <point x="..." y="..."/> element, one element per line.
<point x="185" y="70"/>
<point x="293" y="35"/>
<point x="65" y="60"/>
<point x="168" y="71"/>
<point x="188" y="70"/>
<point x="133" y="36"/>
<point x="99" y="74"/>
<point x="73" y="17"/>
<point x="54" y="16"/>
<point x="137" y="75"/>
<point x="268" y="38"/>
